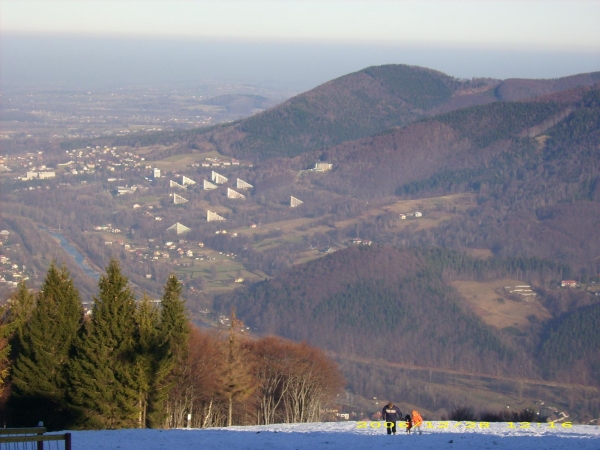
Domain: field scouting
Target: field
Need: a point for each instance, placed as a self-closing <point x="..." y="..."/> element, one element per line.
<point x="497" y="307"/>
<point x="218" y="272"/>
<point x="435" y="210"/>
<point x="180" y="162"/>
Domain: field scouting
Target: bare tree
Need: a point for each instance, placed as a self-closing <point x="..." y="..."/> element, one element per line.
<point x="238" y="383"/>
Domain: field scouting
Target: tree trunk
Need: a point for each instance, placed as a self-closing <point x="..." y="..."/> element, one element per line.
<point x="208" y="413"/>
<point x="230" y="412"/>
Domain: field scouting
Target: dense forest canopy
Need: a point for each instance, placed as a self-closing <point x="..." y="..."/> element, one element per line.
<point x="392" y="304"/>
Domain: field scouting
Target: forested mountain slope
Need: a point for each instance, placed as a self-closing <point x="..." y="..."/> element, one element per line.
<point x="447" y="151"/>
<point x="365" y="103"/>
<point x="533" y="164"/>
<point x="398" y="326"/>
<point x="570" y="350"/>
<point x="386" y="303"/>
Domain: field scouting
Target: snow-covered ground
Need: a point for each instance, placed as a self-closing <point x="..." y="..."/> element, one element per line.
<point x="347" y="435"/>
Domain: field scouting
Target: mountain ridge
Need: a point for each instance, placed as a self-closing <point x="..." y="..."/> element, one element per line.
<point x="366" y="103"/>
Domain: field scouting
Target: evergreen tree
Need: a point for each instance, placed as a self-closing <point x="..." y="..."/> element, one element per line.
<point x="13" y="317"/>
<point x="5" y="332"/>
<point x="173" y="339"/>
<point x="21" y="304"/>
<point x="39" y="375"/>
<point x="147" y="320"/>
<point x="103" y="373"/>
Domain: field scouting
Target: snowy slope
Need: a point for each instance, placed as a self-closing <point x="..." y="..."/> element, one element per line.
<point x="346" y="436"/>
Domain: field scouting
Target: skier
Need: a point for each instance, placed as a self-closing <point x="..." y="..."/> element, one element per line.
<point x="390" y="414"/>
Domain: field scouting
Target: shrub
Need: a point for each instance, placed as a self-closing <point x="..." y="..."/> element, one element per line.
<point x="463" y="413"/>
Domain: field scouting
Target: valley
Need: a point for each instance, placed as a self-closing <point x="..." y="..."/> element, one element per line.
<point x="396" y="200"/>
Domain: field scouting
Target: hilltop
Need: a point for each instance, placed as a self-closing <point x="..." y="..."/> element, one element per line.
<point x="366" y="103"/>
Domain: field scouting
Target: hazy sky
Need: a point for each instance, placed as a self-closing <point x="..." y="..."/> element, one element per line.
<point x="542" y="24"/>
<point x="300" y="39"/>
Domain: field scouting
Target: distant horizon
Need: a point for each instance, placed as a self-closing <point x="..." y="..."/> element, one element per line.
<point x="86" y="61"/>
<point x="524" y="24"/>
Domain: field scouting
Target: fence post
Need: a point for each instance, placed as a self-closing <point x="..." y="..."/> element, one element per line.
<point x="67" y="441"/>
<point x="40" y="444"/>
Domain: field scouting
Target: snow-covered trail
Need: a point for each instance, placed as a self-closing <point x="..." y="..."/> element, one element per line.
<point x="346" y="436"/>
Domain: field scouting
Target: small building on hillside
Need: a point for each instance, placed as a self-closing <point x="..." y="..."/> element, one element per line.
<point x="322" y="166"/>
<point x="46" y="175"/>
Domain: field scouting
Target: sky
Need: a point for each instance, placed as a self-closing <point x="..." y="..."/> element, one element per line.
<point x="296" y="43"/>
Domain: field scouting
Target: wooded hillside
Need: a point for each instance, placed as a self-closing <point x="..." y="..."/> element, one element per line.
<point x="379" y="308"/>
<point x="380" y="302"/>
<point x="363" y="104"/>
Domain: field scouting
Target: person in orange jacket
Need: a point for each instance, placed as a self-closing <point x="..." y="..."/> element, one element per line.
<point x="417" y="421"/>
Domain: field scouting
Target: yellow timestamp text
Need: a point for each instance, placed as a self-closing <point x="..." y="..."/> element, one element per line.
<point x="446" y="425"/>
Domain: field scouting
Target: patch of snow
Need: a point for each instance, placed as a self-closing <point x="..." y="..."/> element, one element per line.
<point x="345" y="436"/>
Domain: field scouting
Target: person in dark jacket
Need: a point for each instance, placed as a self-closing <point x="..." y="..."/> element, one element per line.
<point x="390" y="414"/>
<point x="409" y="423"/>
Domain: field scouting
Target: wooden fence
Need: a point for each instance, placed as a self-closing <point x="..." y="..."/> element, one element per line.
<point x="11" y="438"/>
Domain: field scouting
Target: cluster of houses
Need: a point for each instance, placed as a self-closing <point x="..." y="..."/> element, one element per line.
<point x="108" y="227"/>
<point x="217" y="162"/>
<point x="170" y="250"/>
<point x="81" y="161"/>
<point x="29" y="161"/>
<point x="10" y="273"/>
<point x="119" y="165"/>
<point x="593" y="287"/>
<point x="415" y="214"/>
<point x="35" y="169"/>
<point x="91" y="160"/>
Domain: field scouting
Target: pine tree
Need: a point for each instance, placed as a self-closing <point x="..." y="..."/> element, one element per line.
<point x="147" y="321"/>
<point x="21" y="304"/>
<point x="103" y="373"/>
<point x="39" y="375"/>
<point x="5" y="332"/>
<point x="171" y="352"/>
<point x="13" y="317"/>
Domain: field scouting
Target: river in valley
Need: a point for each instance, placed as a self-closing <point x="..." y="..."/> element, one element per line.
<point x="76" y="254"/>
